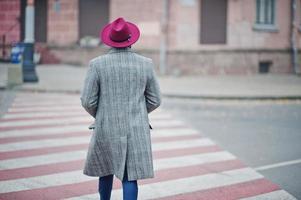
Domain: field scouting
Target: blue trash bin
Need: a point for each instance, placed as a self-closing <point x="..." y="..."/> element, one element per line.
<point x="16" y="53"/>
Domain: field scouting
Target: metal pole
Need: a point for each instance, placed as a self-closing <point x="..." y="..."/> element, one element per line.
<point x="3" y="46"/>
<point x="29" y="73"/>
<point x="164" y="37"/>
<point x="294" y="48"/>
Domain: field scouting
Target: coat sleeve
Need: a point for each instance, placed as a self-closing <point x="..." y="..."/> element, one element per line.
<point x="152" y="91"/>
<point x="90" y="93"/>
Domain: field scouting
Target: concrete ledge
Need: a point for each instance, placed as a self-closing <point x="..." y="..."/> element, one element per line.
<point x="3" y="76"/>
<point x="15" y="75"/>
<point x="11" y="75"/>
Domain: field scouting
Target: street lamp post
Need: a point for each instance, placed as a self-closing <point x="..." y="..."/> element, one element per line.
<point x="28" y="66"/>
<point x="164" y="37"/>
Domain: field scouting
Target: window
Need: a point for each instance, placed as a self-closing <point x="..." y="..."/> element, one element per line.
<point x="265" y="15"/>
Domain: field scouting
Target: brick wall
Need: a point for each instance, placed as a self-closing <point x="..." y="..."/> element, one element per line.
<point x="62" y="23"/>
<point x="9" y="12"/>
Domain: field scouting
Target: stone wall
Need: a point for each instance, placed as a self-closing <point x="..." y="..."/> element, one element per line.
<point x="228" y="62"/>
<point x="195" y="62"/>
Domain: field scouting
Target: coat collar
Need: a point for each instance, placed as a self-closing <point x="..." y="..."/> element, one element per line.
<point x="117" y="50"/>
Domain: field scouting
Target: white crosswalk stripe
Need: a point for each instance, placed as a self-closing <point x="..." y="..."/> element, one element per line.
<point x="47" y="121"/>
<point x="275" y="195"/>
<point x="181" y="131"/>
<point x="43" y="131"/>
<point x="42" y="160"/>
<point x="43" y="143"/>
<point x="67" y="113"/>
<point x="85" y="139"/>
<point x="42" y="114"/>
<point x="43" y="181"/>
<point x="42" y="108"/>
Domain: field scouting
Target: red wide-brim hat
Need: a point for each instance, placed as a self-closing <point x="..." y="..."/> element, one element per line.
<point x="119" y="33"/>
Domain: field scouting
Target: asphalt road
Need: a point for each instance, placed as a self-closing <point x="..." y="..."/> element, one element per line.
<point x="265" y="135"/>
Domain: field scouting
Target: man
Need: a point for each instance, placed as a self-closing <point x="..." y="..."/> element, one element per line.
<point x="120" y="89"/>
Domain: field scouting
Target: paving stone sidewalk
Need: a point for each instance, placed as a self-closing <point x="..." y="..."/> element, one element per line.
<point x="68" y="78"/>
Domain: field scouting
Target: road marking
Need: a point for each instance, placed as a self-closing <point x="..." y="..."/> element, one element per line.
<point x="77" y="176"/>
<point x="182" y="144"/>
<point x="42" y="137"/>
<point x="42" y="159"/>
<point x="183" y="161"/>
<point x="68" y="113"/>
<point x="174" y="132"/>
<point x="184" y="185"/>
<point x="43" y="131"/>
<point x="279" y="195"/>
<point x="65" y="120"/>
<point x="246" y="189"/>
<point x="78" y="164"/>
<point x="46" y="151"/>
<point x="44" y="143"/>
<point x="77" y="155"/>
<point x="181" y="131"/>
<point x="39" y="126"/>
<point x="38" y="163"/>
<point x="49" y="104"/>
<point x="45" y="109"/>
<point x="43" y="181"/>
<point x="84" y="139"/>
<point x="156" y="138"/>
<point x="84" y="188"/>
<point x="276" y="165"/>
<point x="42" y="114"/>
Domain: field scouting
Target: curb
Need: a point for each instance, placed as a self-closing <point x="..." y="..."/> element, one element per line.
<point x="38" y="90"/>
<point x="247" y="98"/>
<point x="180" y="96"/>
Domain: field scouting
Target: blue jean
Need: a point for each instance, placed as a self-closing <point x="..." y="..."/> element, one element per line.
<point x="130" y="188"/>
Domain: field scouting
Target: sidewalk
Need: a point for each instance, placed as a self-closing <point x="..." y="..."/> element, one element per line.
<point x="67" y="78"/>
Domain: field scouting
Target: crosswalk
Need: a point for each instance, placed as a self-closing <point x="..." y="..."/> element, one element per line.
<point x="44" y="140"/>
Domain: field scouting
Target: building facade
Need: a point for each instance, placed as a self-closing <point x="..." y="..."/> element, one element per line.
<point x="200" y="36"/>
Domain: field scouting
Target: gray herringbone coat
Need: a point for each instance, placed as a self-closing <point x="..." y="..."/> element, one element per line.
<point x="120" y="90"/>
